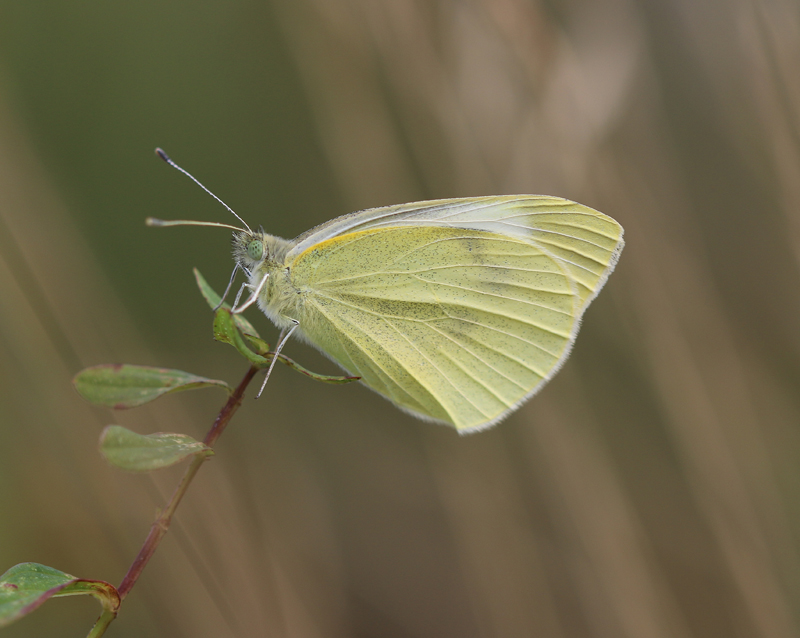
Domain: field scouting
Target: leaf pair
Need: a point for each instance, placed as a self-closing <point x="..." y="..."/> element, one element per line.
<point x="128" y="386"/>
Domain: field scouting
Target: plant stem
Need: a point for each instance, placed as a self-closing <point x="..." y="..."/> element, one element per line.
<point x="161" y="525"/>
<point x="102" y="624"/>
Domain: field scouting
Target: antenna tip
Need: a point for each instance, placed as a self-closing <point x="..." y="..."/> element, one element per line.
<point x="162" y="155"/>
<point x="152" y="221"/>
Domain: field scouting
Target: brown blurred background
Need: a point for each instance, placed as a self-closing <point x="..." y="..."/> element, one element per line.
<point x="651" y="490"/>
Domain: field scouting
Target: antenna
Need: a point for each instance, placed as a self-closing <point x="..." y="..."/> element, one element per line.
<point x="153" y="221"/>
<point x="167" y="159"/>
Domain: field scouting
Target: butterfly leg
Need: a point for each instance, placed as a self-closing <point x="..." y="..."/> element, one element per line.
<point x="239" y="295"/>
<point x="281" y="342"/>
<point x="228" y="289"/>
<point x="252" y="299"/>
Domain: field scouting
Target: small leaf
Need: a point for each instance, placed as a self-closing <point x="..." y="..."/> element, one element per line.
<point x="314" y="375"/>
<point x="225" y="330"/>
<point x="213" y="300"/>
<point x="26" y="586"/>
<point x="128" y="386"/>
<point x="259" y="346"/>
<point x="142" y="453"/>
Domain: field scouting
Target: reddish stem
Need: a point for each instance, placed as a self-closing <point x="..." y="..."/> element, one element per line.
<point x="161" y="524"/>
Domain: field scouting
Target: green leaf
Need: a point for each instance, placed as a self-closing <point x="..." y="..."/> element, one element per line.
<point x="142" y="453"/>
<point x="26" y="586"/>
<point x="324" y="378"/>
<point x="127" y="386"/>
<point x="225" y="331"/>
<point x="213" y="300"/>
<point x="259" y="346"/>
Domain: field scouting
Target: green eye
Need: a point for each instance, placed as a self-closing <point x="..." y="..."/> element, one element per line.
<point x="255" y="250"/>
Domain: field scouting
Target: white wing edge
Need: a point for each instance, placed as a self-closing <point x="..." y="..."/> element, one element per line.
<point x="387" y="215"/>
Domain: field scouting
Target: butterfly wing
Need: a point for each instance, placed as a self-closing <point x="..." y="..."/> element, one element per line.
<point x="588" y="242"/>
<point x="455" y="310"/>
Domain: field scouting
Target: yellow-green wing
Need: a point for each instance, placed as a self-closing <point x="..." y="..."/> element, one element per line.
<point x="454" y="324"/>
<point x="585" y="240"/>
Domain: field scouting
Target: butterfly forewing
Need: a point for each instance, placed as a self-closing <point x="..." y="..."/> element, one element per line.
<point x="587" y="241"/>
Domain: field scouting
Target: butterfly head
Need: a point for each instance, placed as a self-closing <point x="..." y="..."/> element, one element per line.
<point x="253" y="250"/>
<point x="249" y="249"/>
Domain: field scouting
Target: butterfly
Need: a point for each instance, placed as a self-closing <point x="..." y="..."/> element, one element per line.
<point x="456" y="310"/>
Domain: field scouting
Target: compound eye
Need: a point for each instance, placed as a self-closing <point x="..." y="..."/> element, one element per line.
<point x="255" y="250"/>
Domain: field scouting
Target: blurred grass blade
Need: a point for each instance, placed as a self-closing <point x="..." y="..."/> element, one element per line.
<point x="134" y="452"/>
<point x="26" y="586"/>
<point x="128" y="386"/>
<point x="213" y="300"/>
<point x="226" y="332"/>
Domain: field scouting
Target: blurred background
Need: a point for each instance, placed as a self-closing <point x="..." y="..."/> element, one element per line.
<point x="651" y="490"/>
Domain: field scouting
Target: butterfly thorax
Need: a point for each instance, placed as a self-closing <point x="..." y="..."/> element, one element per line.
<point x="259" y="254"/>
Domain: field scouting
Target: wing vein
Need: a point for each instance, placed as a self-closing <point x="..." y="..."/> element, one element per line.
<point x="339" y="320"/>
<point x="435" y="367"/>
<point x="449" y="316"/>
<point x="479" y="358"/>
<point x="491" y="294"/>
<point x="513" y="336"/>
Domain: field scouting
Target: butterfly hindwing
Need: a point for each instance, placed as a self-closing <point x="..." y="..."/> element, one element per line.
<point x="453" y="324"/>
